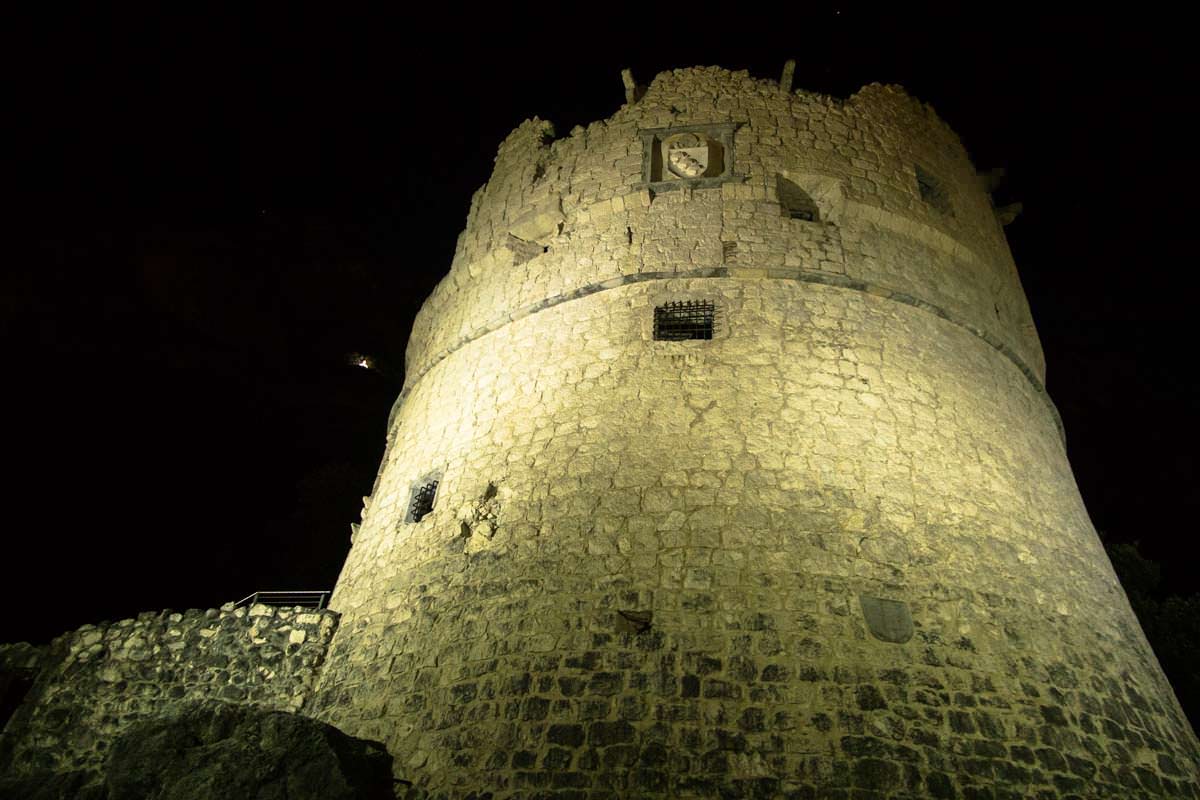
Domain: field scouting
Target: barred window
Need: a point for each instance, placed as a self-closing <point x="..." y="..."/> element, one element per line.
<point x="684" y="319"/>
<point x="422" y="500"/>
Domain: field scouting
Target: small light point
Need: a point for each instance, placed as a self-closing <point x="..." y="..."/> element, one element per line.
<point x="360" y="360"/>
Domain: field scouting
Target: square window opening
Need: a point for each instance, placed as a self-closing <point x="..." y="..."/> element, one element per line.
<point x="933" y="194"/>
<point x="422" y="500"/>
<point x="684" y="319"/>
<point x="795" y="202"/>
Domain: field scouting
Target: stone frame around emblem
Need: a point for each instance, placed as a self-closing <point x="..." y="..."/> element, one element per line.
<point x="704" y="157"/>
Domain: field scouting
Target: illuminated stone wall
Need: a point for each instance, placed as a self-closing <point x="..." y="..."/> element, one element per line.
<point x="836" y="550"/>
<point x="93" y="683"/>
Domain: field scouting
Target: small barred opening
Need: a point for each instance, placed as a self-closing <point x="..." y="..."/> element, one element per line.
<point x="684" y="319"/>
<point x="422" y="501"/>
<point x="933" y="194"/>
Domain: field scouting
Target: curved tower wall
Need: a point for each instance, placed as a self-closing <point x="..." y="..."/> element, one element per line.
<point x="837" y="546"/>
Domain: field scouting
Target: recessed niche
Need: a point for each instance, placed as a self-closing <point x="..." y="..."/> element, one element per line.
<point x="809" y="198"/>
<point x="795" y="202"/>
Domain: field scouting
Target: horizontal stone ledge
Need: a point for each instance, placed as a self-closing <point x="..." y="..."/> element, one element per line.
<point x="832" y="279"/>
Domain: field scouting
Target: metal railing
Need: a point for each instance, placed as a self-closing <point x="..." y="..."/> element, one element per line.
<point x="313" y="599"/>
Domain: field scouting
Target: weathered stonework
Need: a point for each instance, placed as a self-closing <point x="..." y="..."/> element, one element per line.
<point x="834" y="551"/>
<point x="93" y="683"/>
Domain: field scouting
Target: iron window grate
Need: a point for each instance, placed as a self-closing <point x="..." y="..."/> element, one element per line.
<point x="422" y="501"/>
<point x="684" y="319"/>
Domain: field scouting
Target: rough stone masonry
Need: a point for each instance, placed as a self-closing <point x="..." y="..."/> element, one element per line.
<point x="724" y="468"/>
<point x="91" y="685"/>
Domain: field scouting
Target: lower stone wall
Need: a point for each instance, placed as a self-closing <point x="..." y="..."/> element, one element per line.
<point x="94" y="682"/>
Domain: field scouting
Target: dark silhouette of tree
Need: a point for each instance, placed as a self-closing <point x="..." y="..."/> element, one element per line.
<point x="1171" y="621"/>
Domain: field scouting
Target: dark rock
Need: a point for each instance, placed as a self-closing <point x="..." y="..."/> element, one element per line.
<point x="939" y="786"/>
<point x="653" y="755"/>
<point x="606" y="733"/>
<point x="807" y="673"/>
<point x="217" y="751"/>
<point x="989" y="725"/>
<point x="1069" y="784"/>
<point x="753" y="719"/>
<point x="649" y="781"/>
<point x="634" y="621"/>
<point x="978" y="793"/>
<point x="556" y="758"/>
<point x="1054" y="715"/>
<point x="961" y="722"/>
<point x="864" y="746"/>
<point x="605" y="683"/>
<point x="1011" y="775"/>
<point x="742" y="669"/>
<point x="1051" y="759"/>
<point x="722" y="690"/>
<point x="730" y="740"/>
<point x="776" y="673"/>
<point x="463" y="693"/>
<point x="874" y="773"/>
<point x="964" y="699"/>
<point x="1081" y="766"/>
<point x="620" y="757"/>
<point x="571" y="686"/>
<point x="535" y="708"/>
<point x="51" y="786"/>
<point x="561" y="780"/>
<point x="569" y="735"/>
<point x="988" y="749"/>
<point x="869" y="698"/>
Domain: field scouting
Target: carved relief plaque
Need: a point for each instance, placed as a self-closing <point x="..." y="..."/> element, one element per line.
<point x="695" y="156"/>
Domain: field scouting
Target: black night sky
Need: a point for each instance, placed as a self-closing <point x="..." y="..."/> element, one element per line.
<point x="220" y="209"/>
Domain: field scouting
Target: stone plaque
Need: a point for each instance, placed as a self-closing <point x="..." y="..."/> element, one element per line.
<point x="691" y="156"/>
<point x="888" y="620"/>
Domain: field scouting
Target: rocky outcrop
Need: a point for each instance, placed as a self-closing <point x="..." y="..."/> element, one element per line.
<point x="221" y="751"/>
<point x="92" y="684"/>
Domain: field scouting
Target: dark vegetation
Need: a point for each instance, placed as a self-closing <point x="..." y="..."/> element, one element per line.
<point x="1171" y="621"/>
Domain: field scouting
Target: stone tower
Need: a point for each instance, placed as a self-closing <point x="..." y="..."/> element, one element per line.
<point x="724" y="468"/>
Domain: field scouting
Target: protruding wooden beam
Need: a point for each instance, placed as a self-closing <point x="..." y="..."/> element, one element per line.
<point x="789" y="69"/>
<point x="630" y="86"/>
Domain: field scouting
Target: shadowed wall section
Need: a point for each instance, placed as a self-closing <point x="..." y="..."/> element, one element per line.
<point x="91" y="685"/>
